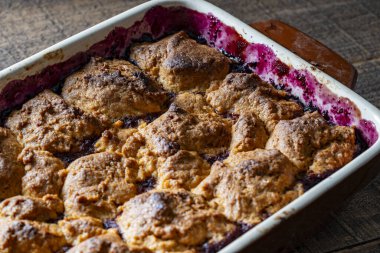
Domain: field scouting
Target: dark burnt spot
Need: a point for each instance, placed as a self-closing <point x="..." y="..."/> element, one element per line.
<point x="86" y="148"/>
<point x="241" y="228"/>
<point x="110" y="223"/>
<point x="311" y="179"/>
<point x="211" y="159"/>
<point x="146" y="185"/>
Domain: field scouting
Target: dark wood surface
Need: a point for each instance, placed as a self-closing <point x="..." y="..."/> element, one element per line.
<point x="349" y="27"/>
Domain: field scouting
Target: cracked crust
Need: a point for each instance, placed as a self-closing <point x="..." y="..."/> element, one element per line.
<point x="97" y="184"/>
<point x="79" y="229"/>
<point x="312" y="144"/>
<point x="11" y="170"/>
<point x="241" y="93"/>
<point x="171" y="221"/>
<point x="249" y="186"/>
<point x="47" y="122"/>
<point x="20" y="236"/>
<point x="179" y="63"/>
<point x="188" y="128"/>
<point x="44" y="173"/>
<point x="48" y="208"/>
<point x="248" y="133"/>
<point x="111" y="90"/>
<point x="185" y="170"/>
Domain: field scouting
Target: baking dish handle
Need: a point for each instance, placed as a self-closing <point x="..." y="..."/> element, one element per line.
<point x="310" y="50"/>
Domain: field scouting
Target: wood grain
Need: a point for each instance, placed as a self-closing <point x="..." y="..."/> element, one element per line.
<point x="349" y="27"/>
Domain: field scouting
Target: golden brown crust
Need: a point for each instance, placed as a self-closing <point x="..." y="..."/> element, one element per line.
<point x="242" y="93"/>
<point x="312" y="144"/>
<point x="189" y="205"/>
<point x="248" y="133"/>
<point x="185" y="169"/>
<point x="180" y="63"/>
<point x="20" y="236"/>
<point x="97" y="184"/>
<point x="188" y="128"/>
<point x="79" y="229"/>
<point x="107" y="243"/>
<point x="44" y="173"/>
<point x="48" y="123"/>
<point x="111" y="90"/>
<point x="113" y="139"/>
<point x="171" y="221"/>
<point x="48" y="208"/>
<point x="11" y="170"/>
<point x="249" y="186"/>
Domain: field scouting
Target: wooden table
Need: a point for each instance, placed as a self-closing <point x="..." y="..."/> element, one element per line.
<point x="350" y="27"/>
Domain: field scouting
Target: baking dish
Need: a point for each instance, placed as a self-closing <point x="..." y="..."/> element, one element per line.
<point x="267" y="236"/>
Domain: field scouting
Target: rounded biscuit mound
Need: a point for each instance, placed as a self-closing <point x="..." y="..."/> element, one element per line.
<point x="107" y="243"/>
<point x="185" y="170"/>
<point x="20" y="236"/>
<point x="171" y="221"/>
<point x="186" y="127"/>
<point x="312" y="144"/>
<point x="112" y="89"/>
<point x="47" y="122"/>
<point x="249" y="186"/>
<point x="113" y="139"/>
<point x="11" y="170"/>
<point x="248" y="133"/>
<point x="44" y="173"/>
<point x="97" y="184"/>
<point x="179" y="63"/>
<point x="79" y="229"/>
<point x="48" y="208"/>
<point x="242" y="93"/>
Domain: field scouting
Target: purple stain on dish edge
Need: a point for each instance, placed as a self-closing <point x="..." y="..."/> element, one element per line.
<point x="258" y="58"/>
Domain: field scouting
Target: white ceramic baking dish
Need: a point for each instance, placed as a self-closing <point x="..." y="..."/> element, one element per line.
<point x="277" y="230"/>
